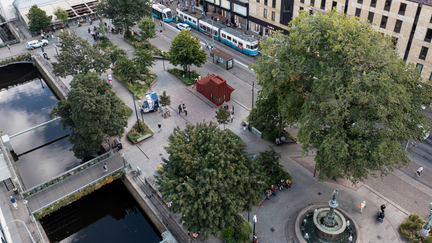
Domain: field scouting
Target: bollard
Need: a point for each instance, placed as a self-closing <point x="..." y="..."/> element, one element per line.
<point x="139" y="170"/>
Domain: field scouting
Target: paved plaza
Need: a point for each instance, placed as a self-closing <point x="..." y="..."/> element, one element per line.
<point x="401" y="191"/>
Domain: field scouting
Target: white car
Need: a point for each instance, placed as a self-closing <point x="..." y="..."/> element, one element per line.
<point x="183" y="26"/>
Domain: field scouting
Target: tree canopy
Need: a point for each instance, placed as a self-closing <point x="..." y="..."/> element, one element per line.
<point x="208" y="177"/>
<point x="147" y="27"/>
<point x="185" y="50"/>
<point x="222" y="116"/>
<point x="164" y="99"/>
<point x="91" y="110"/>
<point x="61" y="14"/>
<point x="38" y="19"/>
<point x="77" y="56"/>
<point x="124" y="12"/>
<point x="356" y="101"/>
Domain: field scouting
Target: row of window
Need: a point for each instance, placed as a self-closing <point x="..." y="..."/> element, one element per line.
<point x="273" y="14"/>
<point x="266" y="3"/>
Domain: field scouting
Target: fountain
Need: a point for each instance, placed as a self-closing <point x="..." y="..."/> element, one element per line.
<point x="325" y="224"/>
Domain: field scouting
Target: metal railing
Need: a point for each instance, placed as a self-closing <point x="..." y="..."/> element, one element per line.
<point x="36" y="189"/>
<point x="177" y="231"/>
<point x="19" y="58"/>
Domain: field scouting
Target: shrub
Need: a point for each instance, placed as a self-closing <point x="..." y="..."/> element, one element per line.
<point x="184" y="75"/>
<point x="134" y="133"/>
<point x="410" y="228"/>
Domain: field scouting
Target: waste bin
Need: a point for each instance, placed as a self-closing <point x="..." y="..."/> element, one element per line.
<point x="15" y="190"/>
<point x="117" y="144"/>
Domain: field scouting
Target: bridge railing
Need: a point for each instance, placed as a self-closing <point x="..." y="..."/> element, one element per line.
<point x="36" y="189"/>
<point x="22" y="57"/>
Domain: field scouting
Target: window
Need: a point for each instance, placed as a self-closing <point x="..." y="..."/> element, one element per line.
<point x="402" y="9"/>
<point x="334" y="4"/>
<point x="384" y="22"/>
<point x="218" y="99"/>
<point x="419" y="68"/>
<point x="323" y="3"/>
<point x="287" y="8"/>
<point x="371" y="17"/>
<point x="428" y="36"/>
<point x="373" y="3"/>
<point x="423" y="53"/>
<point x="301" y="8"/>
<point x="265" y="13"/>
<point x="229" y="38"/>
<point x="430" y="21"/>
<point x="358" y="12"/>
<point x="430" y="77"/>
<point x="235" y="41"/>
<point x="257" y="1"/>
<point x="273" y="16"/>
<point x="248" y="47"/>
<point x="224" y="36"/>
<point x="240" y="44"/>
<point x="301" y="1"/>
<point x="360" y="1"/>
<point x="398" y="26"/>
<point x="387" y="5"/>
<point x="265" y="2"/>
<point x="313" y="3"/>
<point x="274" y="4"/>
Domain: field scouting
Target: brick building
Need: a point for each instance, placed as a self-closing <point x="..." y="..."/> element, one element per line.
<point x="409" y="22"/>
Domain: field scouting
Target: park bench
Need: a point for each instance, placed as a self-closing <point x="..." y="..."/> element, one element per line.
<point x="144" y="137"/>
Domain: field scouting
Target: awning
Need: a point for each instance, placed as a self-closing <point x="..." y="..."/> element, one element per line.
<point x="4" y="169"/>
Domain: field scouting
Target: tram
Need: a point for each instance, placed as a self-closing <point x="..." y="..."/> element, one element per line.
<point x="189" y="18"/>
<point x="161" y="12"/>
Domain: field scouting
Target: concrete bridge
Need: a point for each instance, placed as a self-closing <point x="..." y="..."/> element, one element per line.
<point x="61" y="186"/>
<point x="16" y="59"/>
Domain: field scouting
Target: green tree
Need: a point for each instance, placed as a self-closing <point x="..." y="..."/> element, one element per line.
<point x="115" y="54"/>
<point x="143" y="59"/>
<point x="222" y="116"/>
<point x="61" y="14"/>
<point x="357" y="102"/>
<point x="269" y="160"/>
<point x="91" y="111"/>
<point x="147" y="27"/>
<point x="124" y="12"/>
<point x="164" y="99"/>
<point x="77" y="56"/>
<point x="38" y="19"/>
<point x="127" y="69"/>
<point x="185" y="50"/>
<point x="102" y="29"/>
<point x="208" y="177"/>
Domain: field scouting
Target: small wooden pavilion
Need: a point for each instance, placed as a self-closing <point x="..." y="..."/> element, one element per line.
<point x="215" y="89"/>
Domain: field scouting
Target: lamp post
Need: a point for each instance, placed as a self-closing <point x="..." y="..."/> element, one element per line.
<point x="163" y="60"/>
<point x="255" y="220"/>
<point x="124" y="162"/>
<point x="188" y="62"/>
<point x="139" y="127"/>
<point x="212" y="31"/>
<point x="16" y="220"/>
<point x="253" y="86"/>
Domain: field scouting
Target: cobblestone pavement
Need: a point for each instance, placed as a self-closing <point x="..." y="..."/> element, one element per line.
<point x="401" y="191"/>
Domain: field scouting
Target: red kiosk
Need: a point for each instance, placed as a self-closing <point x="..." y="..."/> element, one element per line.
<point x="215" y="89"/>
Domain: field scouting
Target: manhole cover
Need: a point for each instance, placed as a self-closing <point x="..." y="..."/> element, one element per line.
<point x="272" y="230"/>
<point x="319" y="193"/>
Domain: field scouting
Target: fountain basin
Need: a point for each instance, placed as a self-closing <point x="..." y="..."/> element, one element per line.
<point x="329" y="232"/>
<point x="310" y="211"/>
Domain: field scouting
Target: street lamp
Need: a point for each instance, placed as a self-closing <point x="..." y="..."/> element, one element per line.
<point x="255" y="220"/>
<point x="212" y="31"/>
<point x="253" y="86"/>
<point x="124" y="162"/>
<point x="139" y="127"/>
<point x="16" y="220"/>
<point x="163" y="60"/>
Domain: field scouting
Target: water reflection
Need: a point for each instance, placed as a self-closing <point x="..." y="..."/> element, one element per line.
<point x="27" y="105"/>
<point x="109" y="214"/>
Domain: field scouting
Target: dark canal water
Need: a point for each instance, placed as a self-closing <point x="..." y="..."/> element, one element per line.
<point x="109" y="214"/>
<point x="27" y="105"/>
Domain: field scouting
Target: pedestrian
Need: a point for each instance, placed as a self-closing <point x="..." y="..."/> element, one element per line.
<point x="14" y="202"/>
<point x="383" y="207"/>
<point x="160" y="127"/>
<point x="183" y="105"/>
<point x="244" y="126"/>
<point x="180" y="108"/>
<point x="161" y="32"/>
<point x="185" y="110"/>
<point x="88" y="30"/>
<point x="192" y="86"/>
<point x="48" y="37"/>
<point x="54" y="29"/>
<point x="419" y="171"/>
<point x="105" y="168"/>
<point x="160" y="22"/>
<point x="273" y="190"/>
<point x="232" y="117"/>
<point x="52" y="35"/>
<point x="8" y="47"/>
<point x="208" y="73"/>
<point x="362" y="205"/>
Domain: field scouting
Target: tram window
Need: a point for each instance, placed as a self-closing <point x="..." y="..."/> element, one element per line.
<point x="240" y="44"/>
<point x="235" y="41"/>
<point x="229" y="38"/>
<point x="215" y="32"/>
<point x="248" y="46"/>
<point x="194" y="22"/>
<point x="223" y="35"/>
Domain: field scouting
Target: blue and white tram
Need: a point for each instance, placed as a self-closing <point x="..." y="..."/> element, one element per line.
<point x="239" y="41"/>
<point x="161" y="12"/>
<point x="206" y="28"/>
<point x="189" y="18"/>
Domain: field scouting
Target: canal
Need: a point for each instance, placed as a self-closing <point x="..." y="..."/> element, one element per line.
<point x="109" y="214"/>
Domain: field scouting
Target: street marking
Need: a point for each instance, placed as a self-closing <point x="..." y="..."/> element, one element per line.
<point x="172" y="27"/>
<point x="244" y="65"/>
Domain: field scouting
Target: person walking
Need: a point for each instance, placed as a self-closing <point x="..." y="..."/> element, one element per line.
<point x="185" y="110"/>
<point x="105" y="168"/>
<point x="244" y="126"/>
<point x="14" y="202"/>
<point x="192" y="86"/>
<point x="180" y="108"/>
<point x="362" y="205"/>
<point x="232" y="117"/>
<point x="383" y="207"/>
<point x="160" y="127"/>
<point x="8" y="47"/>
<point x="419" y="171"/>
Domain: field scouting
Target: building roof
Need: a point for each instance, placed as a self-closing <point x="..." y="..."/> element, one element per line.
<point x="4" y="170"/>
<point x="239" y="34"/>
<point x="222" y="54"/>
<point x="427" y="2"/>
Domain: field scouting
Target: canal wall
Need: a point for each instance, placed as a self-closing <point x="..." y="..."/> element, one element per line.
<point x="46" y="69"/>
<point x="144" y="202"/>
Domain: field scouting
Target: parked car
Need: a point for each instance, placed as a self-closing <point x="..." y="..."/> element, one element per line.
<point x="183" y="26"/>
<point x="36" y="43"/>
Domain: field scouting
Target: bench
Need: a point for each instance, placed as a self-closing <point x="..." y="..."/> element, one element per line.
<point x="144" y="137"/>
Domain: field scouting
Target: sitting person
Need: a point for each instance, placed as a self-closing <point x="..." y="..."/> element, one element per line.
<point x="282" y="139"/>
<point x="288" y="182"/>
<point x="268" y="194"/>
<point x="277" y="141"/>
<point x="273" y="190"/>
<point x="284" y="183"/>
<point x="279" y="184"/>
